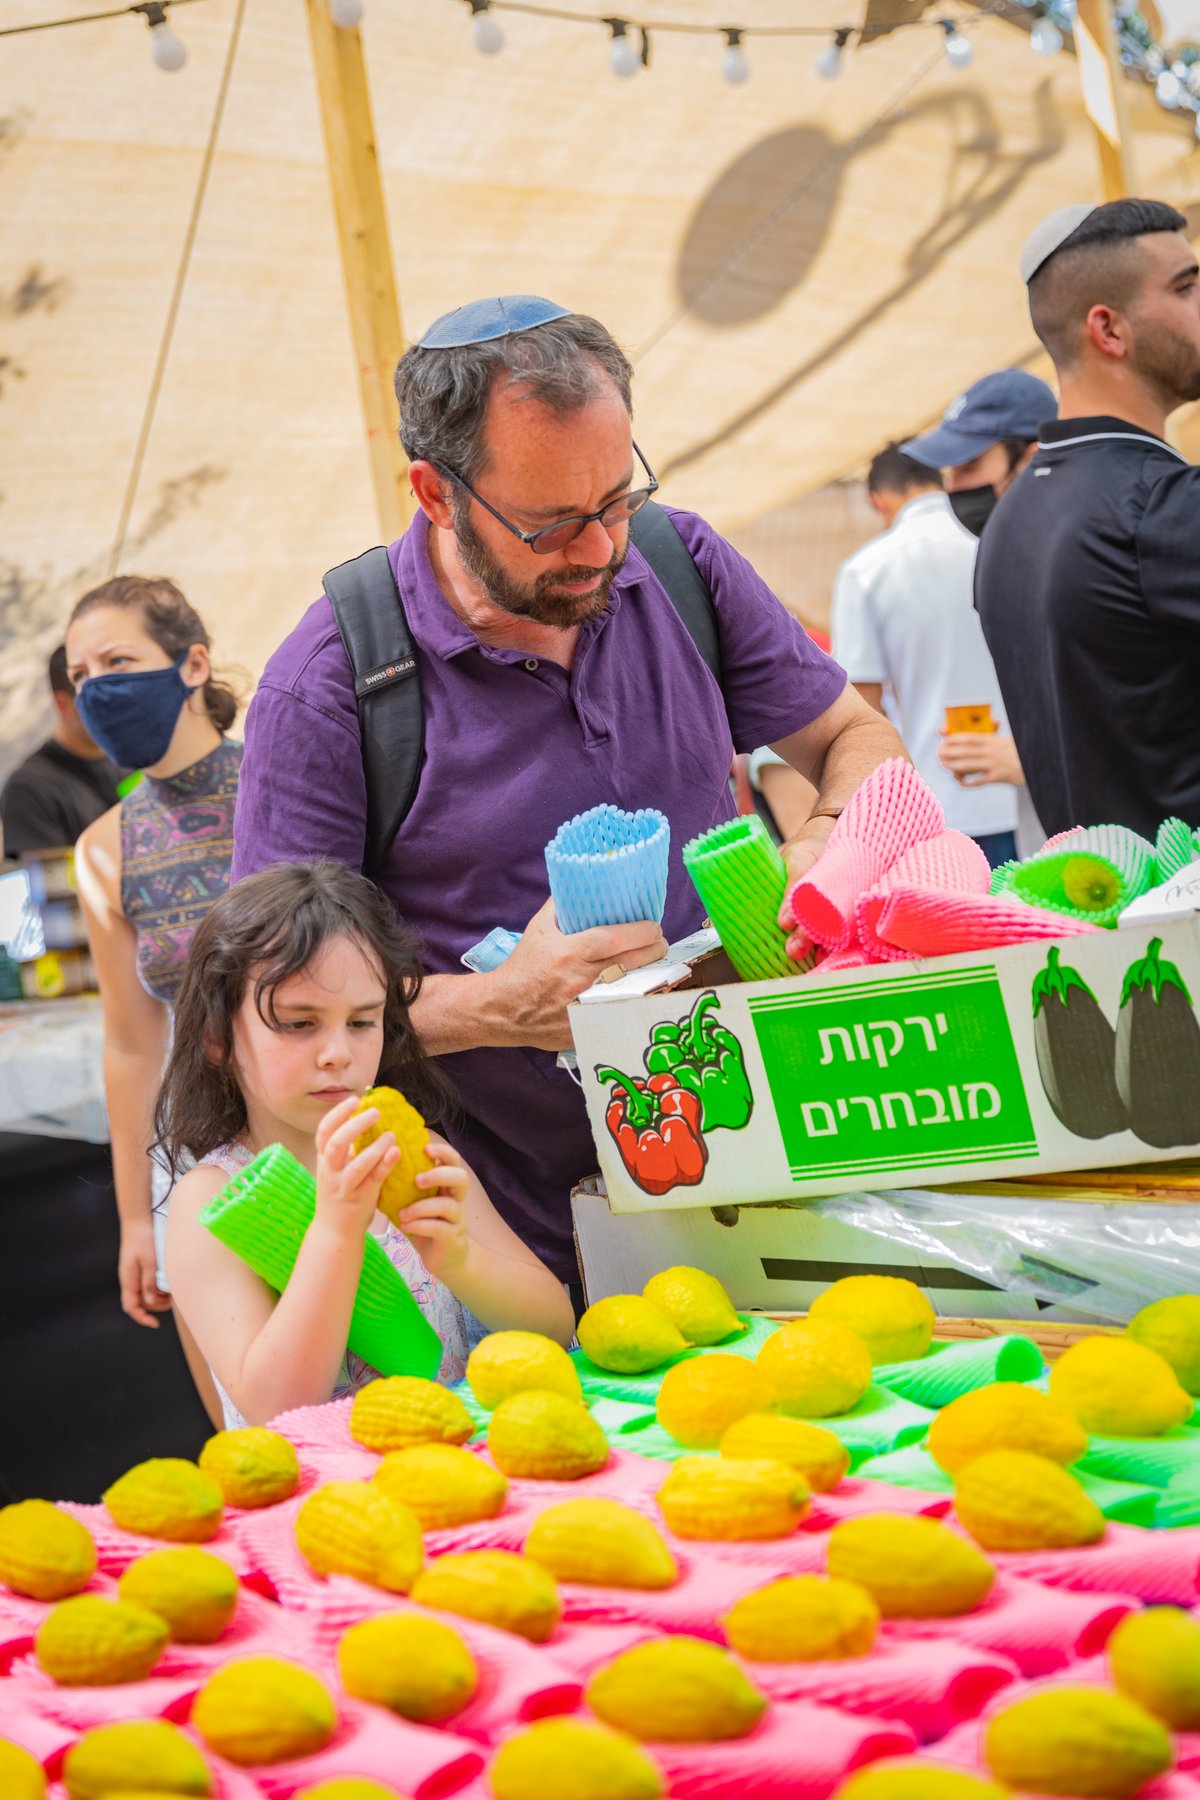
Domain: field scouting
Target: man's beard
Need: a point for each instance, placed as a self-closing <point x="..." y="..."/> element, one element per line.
<point x="1171" y="363"/>
<point x="543" y="600"/>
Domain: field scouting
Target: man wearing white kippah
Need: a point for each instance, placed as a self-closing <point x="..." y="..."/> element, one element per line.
<point x="1088" y="577"/>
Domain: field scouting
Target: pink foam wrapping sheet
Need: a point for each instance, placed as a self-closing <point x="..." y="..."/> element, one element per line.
<point x="584" y="1648"/>
<point x="932" y="923"/>
<point x="116" y="1549"/>
<point x="855" y="957"/>
<point x="32" y="1730"/>
<point x="1039" y="1629"/>
<point x="853" y="1497"/>
<point x="1159" y="1567"/>
<point x="81" y="1708"/>
<point x="800" y="1553"/>
<point x="21" y="1616"/>
<point x="798" y="1751"/>
<point x="706" y="1588"/>
<point x="426" y="1762"/>
<point x="890" y="812"/>
<point x="931" y="1686"/>
<point x="949" y="863"/>
<point x="963" y="1749"/>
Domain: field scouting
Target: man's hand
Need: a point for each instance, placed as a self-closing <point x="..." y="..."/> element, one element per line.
<point x="137" y="1273"/>
<point x="975" y="758"/>
<point x="550" y="968"/>
<point x="800" y="852"/>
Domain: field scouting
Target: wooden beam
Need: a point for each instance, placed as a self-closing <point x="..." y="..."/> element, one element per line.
<point x="361" y="216"/>
<point x="1102" y="79"/>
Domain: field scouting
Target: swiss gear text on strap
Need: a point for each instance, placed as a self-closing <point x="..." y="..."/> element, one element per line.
<point x="383" y="658"/>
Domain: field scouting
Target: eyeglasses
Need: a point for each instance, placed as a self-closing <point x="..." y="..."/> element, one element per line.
<point x="564" y="531"/>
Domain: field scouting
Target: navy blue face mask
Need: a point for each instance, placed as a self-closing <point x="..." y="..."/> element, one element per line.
<point x="132" y="716"/>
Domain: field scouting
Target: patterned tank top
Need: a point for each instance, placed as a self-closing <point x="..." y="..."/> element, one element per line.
<point x="458" y="1329"/>
<point x="176" y="851"/>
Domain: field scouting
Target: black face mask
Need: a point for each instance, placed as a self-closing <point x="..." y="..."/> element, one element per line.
<point x="973" y="507"/>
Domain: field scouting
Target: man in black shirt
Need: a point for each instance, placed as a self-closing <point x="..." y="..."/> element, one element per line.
<point x="1088" y="577"/>
<point x="50" y="797"/>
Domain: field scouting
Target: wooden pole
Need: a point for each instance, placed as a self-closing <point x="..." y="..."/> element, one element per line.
<point x="1102" y="79"/>
<point x="361" y="216"/>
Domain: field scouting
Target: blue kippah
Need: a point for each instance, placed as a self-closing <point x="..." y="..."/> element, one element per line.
<point x="481" y="320"/>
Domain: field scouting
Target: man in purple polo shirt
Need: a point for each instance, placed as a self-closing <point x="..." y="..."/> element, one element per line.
<point x="555" y="675"/>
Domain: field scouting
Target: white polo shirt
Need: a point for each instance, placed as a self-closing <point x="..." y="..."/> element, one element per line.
<point x="904" y="615"/>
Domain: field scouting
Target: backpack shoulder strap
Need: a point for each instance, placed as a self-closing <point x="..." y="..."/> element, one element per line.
<point x="660" y="543"/>
<point x="369" y="611"/>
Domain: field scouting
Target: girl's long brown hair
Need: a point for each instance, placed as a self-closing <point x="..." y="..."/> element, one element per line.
<point x="263" y="930"/>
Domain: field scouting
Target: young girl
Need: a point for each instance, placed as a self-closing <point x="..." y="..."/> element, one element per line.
<point x="296" y="997"/>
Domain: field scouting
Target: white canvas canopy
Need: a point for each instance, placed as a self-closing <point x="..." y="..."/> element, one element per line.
<point x="800" y="268"/>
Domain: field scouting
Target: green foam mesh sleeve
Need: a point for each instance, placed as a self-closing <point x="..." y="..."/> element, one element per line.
<point x="740" y="876"/>
<point x="262" y="1215"/>
<point x="953" y="1369"/>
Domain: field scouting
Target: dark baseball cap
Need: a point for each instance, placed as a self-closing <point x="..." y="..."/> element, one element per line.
<point x="479" y="321"/>
<point x="1009" y="404"/>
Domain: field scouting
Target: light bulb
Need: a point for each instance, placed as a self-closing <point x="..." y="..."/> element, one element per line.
<point x="734" y="66"/>
<point x="346" y="14"/>
<point x="958" y="47"/>
<point x="623" y="58"/>
<point x="486" y="34"/>
<point x="1045" y="39"/>
<point x="1169" y="89"/>
<point x="166" y="48"/>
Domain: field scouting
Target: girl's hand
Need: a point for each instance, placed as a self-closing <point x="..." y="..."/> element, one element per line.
<point x="437" y="1226"/>
<point x="348" y="1184"/>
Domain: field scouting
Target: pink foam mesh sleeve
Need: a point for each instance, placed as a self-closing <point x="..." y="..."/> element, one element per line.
<point x="82" y="1708"/>
<point x="949" y="863"/>
<point x="939" y="924"/>
<point x="931" y="1686"/>
<point x="799" y="1751"/>
<point x="706" y="1588"/>
<point x="116" y="1549"/>
<point x="1040" y="1629"/>
<point x="1159" y="1567"/>
<point x="432" y="1761"/>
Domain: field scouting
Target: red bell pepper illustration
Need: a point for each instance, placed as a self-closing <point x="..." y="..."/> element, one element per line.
<point x="655" y="1125"/>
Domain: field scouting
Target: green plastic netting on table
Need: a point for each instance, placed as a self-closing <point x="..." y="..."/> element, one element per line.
<point x="644" y="1388"/>
<point x="1076" y="883"/>
<point x="262" y="1214"/>
<point x="1154" y="1461"/>
<point x="881" y="1421"/>
<point x="740" y="877"/>
<point x="912" y="1466"/>
<point x="1174" y="848"/>
<point x="1179" y="1501"/>
<point x="948" y="1370"/>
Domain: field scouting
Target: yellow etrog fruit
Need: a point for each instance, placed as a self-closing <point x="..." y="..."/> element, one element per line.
<point x="913" y="1780"/>
<point x="192" y="1591"/>
<point x="21" y="1776"/>
<point x="44" y="1553"/>
<point x="1119" y="1388"/>
<point x="572" y="1760"/>
<point x="696" y="1304"/>
<point x="497" y="1587"/>
<point x="700" y="1398"/>
<point x="724" y="1497"/>
<point x="442" y="1484"/>
<point x="627" y="1335"/>
<point x="803" y="1618"/>
<point x="546" y="1437"/>
<point x="676" y="1690"/>
<point x="354" y="1528"/>
<point x="1010" y="1500"/>
<point x="914" y="1568"/>
<point x="1004" y="1416"/>
<point x="820" y="1457"/>
<point x="418" y="1667"/>
<point x="138" y="1756"/>
<point x="601" y="1543"/>
<point x="511" y="1362"/>
<point x="398" y="1410"/>
<point x="261" y="1709"/>
<point x="401" y="1118"/>
<point x="891" y="1315"/>
<point x="814" y="1369"/>
<point x="348" y="1787"/>
<point x="1155" y="1658"/>
<point x="1077" y="1740"/>
<point x="88" y="1641"/>
<point x="251" y="1466"/>
<point x="1172" y="1327"/>
<point x="167" y="1497"/>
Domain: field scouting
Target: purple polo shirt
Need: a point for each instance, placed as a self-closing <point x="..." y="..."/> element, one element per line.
<point x="513" y="746"/>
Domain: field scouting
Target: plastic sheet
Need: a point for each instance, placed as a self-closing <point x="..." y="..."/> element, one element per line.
<point x="1090" y="1261"/>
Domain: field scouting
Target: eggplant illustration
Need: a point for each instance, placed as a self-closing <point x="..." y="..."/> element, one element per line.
<point x="1158" y="1053"/>
<point x="1076" y="1049"/>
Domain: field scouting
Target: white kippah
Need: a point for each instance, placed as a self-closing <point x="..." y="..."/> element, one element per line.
<point x="1045" y="238"/>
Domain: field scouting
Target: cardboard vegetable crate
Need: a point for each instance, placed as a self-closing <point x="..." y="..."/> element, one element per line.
<point x="1083" y="1054"/>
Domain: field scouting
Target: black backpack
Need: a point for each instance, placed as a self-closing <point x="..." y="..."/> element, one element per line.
<point x="369" y="610"/>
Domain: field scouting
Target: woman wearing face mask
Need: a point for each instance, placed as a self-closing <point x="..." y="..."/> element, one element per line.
<point x="148" y="870"/>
